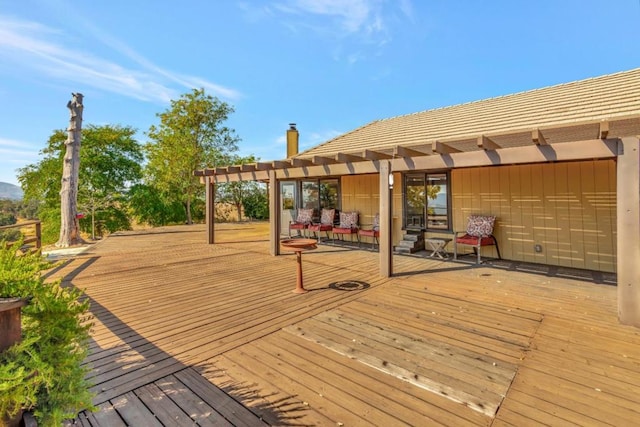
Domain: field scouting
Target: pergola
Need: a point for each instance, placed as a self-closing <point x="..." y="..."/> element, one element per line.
<point x="591" y="119"/>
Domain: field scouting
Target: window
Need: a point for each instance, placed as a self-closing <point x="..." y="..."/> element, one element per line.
<point x="426" y="201"/>
<point x="319" y="194"/>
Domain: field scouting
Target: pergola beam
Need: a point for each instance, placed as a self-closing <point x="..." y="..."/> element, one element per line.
<point x="299" y="163"/>
<point x="321" y="160"/>
<point x="487" y="143"/>
<point x="248" y="167"/>
<point x="400" y="151"/>
<point x="604" y="129"/>
<point x="538" y="138"/>
<point x="233" y="169"/>
<point x="281" y="164"/>
<point x="347" y="158"/>
<point x="261" y="166"/>
<point x="442" y="148"/>
<point x="375" y="155"/>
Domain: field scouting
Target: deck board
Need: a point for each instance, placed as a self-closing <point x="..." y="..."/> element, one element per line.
<point x="216" y="331"/>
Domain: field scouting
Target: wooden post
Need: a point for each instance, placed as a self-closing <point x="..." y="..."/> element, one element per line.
<point x="274" y="214"/>
<point x="210" y="200"/>
<point x="628" y="227"/>
<point x="386" y="223"/>
<point x="69" y="226"/>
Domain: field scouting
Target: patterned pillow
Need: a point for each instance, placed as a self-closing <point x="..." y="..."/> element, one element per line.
<point x="348" y="219"/>
<point x="376" y="222"/>
<point x="304" y="216"/>
<point x="480" y="226"/>
<point x="327" y="216"/>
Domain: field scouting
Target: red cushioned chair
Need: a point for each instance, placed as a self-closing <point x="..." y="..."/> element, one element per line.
<point x="302" y="222"/>
<point x="325" y="224"/>
<point x="374" y="232"/>
<point x="348" y="225"/>
<point x="479" y="233"/>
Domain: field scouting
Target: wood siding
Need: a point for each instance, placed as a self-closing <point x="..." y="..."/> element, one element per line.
<point x="568" y="208"/>
<point x="362" y="193"/>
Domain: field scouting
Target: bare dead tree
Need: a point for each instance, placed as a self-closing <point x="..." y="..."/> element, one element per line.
<point x="69" y="226"/>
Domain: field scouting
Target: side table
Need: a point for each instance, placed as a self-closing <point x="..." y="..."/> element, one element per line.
<point x="437" y="246"/>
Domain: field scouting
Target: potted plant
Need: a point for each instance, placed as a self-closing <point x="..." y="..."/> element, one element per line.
<point x="43" y="372"/>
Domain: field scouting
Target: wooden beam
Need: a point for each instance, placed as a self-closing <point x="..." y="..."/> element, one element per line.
<point x="442" y="148"/>
<point x="298" y="163"/>
<point x="604" y="129"/>
<point x="538" y="138"/>
<point x="375" y="155"/>
<point x="220" y="171"/>
<point x="399" y="151"/>
<point x="348" y="158"/>
<point x="198" y="173"/>
<point x="233" y="169"/>
<point x="487" y="143"/>
<point x="320" y="160"/>
<point x="281" y="164"/>
<point x="248" y="167"/>
<point x="264" y="166"/>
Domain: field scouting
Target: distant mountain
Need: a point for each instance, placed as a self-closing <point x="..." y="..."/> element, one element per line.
<point x="10" y="191"/>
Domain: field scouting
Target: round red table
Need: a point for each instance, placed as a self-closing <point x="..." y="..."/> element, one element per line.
<point x="297" y="246"/>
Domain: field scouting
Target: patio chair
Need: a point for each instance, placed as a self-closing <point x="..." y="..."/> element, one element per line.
<point x="325" y="224"/>
<point x="374" y="232"/>
<point x="479" y="233"/>
<point x="348" y="225"/>
<point x="302" y="222"/>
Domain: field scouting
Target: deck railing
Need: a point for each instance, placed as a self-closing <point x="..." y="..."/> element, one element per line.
<point x="37" y="238"/>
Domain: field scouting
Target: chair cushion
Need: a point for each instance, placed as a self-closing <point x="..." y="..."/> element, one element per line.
<point x="304" y="216"/>
<point x="480" y="226"/>
<point x="320" y="227"/>
<point x="327" y="216"/>
<point x="297" y="226"/>
<point x="473" y="240"/>
<point x="371" y="233"/>
<point x="344" y="230"/>
<point x="348" y="219"/>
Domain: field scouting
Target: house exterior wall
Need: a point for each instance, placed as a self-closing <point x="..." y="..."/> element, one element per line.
<point x="361" y="193"/>
<point x="568" y="208"/>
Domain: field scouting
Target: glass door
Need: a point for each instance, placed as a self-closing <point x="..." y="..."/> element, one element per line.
<point x="415" y="202"/>
<point x="288" y="203"/>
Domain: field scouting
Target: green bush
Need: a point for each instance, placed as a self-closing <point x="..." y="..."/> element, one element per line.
<point x="43" y="372"/>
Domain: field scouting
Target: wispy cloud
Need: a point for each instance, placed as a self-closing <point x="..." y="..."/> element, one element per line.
<point x="30" y="45"/>
<point x="18" y="152"/>
<point x="362" y="22"/>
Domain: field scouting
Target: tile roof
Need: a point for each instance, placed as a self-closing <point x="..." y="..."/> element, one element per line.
<point x="609" y="97"/>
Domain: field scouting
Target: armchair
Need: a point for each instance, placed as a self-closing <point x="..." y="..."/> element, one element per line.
<point x="479" y="233"/>
<point x="302" y="222"/>
<point x="348" y="225"/>
<point x="374" y="232"/>
<point x="325" y="224"/>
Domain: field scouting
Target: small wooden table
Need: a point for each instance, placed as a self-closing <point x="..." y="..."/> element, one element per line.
<point x="437" y="244"/>
<point x="297" y="246"/>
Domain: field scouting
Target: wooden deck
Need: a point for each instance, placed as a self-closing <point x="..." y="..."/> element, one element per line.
<point x="187" y="333"/>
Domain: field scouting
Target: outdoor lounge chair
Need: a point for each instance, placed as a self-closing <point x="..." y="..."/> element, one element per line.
<point x="479" y="233"/>
<point x="325" y="224"/>
<point x="374" y="232"/>
<point x="302" y="222"/>
<point x="348" y="225"/>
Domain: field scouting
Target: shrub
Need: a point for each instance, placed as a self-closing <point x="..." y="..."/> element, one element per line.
<point x="43" y="372"/>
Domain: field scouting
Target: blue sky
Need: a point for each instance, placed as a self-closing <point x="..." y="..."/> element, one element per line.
<point x="328" y="65"/>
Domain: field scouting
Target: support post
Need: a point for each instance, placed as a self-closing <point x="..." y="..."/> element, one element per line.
<point x="274" y="214"/>
<point x="386" y="223"/>
<point x="628" y="230"/>
<point x="210" y="196"/>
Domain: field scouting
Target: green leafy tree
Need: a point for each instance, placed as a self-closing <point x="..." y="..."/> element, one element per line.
<point x="191" y="135"/>
<point x="110" y="161"/>
<point x="238" y="193"/>
<point x="149" y="205"/>
<point x="256" y="201"/>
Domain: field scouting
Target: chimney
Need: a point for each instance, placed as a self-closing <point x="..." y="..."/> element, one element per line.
<point x="292" y="140"/>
